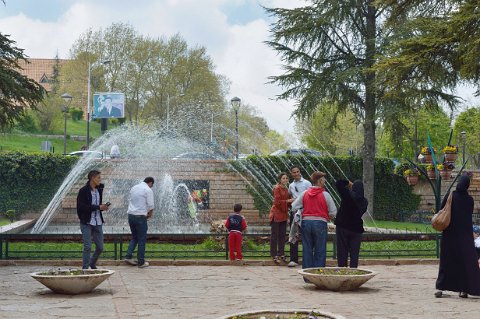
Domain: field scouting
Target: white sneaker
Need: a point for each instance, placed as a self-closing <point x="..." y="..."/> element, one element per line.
<point x="131" y="261"/>
<point x="292" y="264"/>
<point x="144" y="265"/>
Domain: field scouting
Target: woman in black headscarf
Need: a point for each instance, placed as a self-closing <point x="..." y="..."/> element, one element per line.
<point x="459" y="269"/>
<point x="349" y="223"/>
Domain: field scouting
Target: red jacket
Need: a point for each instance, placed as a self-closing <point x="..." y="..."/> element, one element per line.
<point x="279" y="210"/>
<point x="314" y="203"/>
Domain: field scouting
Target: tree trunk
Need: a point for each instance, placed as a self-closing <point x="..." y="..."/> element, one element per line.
<point x="370" y="111"/>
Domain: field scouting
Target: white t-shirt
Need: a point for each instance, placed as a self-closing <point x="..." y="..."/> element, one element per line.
<point x="140" y="200"/>
<point x="477" y="242"/>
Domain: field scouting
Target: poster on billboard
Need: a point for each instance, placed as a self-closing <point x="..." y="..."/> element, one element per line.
<point x="108" y="105"/>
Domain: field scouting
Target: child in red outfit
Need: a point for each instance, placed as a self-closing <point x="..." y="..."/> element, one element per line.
<point x="235" y="224"/>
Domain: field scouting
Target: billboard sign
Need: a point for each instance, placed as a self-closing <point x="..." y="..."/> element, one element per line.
<point x="108" y="105"/>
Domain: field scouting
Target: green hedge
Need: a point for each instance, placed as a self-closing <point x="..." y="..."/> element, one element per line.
<point x="392" y="194"/>
<point x="29" y="181"/>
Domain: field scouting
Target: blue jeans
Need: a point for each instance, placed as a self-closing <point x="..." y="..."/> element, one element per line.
<point x="90" y="233"/>
<point x="138" y="227"/>
<point x="314" y="243"/>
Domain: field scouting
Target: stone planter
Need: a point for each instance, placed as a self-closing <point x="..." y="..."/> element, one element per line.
<point x="431" y="174"/>
<point x="427" y="158"/>
<point x="72" y="281"/>
<point x="337" y="278"/>
<point x="412" y="179"/>
<point x="284" y="314"/>
<point x="451" y="157"/>
<point x="446" y="174"/>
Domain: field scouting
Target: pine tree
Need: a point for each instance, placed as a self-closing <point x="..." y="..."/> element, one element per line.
<point x="17" y="92"/>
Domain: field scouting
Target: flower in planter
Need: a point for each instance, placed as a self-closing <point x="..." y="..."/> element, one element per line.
<point x="426" y="150"/>
<point x="450" y="149"/>
<point x="411" y="172"/>
<point x="440" y="167"/>
<point x="430" y="167"/>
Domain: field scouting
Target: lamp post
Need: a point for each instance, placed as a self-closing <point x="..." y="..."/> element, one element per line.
<point x="464" y="140"/>
<point x="67" y="98"/>
<point x="90" y="65"/>
<point x="236" y="105"/>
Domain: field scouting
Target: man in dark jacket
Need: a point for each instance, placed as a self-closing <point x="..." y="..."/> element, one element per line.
<point x="89" y="211"/>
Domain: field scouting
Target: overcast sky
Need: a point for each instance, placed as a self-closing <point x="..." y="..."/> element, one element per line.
<point x="233" y="32"/>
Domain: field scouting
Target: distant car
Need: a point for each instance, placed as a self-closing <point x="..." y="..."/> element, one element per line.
<point x="195" y="156"/>
<point x="94" y="154"/>
<point x="297" y="151"/>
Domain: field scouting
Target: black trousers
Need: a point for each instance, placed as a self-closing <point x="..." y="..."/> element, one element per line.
<point x="293" y="247"/>
<point x="348" y="243"/>
<point x="277" y="239"/>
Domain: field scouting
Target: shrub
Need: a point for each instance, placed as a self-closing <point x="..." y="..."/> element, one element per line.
<point x="29" y="181"/>
<point x="392" y="194"/>
<point x="76" y="114"/>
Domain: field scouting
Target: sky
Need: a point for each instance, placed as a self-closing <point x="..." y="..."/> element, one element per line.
<point x="232" y="31"/>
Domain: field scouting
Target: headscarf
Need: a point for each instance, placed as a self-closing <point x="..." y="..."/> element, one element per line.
<point x="463" y="183"/>
<point x="358" y="196"/>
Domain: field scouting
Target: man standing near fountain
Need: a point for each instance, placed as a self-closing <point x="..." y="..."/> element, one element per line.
<point x="140" y="208"/>
<point x="318" y="206"/>
<point x="89" y="211"/>
<point x="296" y="188"/>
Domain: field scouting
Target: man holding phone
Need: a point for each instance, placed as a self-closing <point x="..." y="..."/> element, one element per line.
<point x="89" y="211"/>
<point x="140" y="208"/>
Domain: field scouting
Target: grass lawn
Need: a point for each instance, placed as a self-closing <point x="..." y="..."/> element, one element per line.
<point x="26" y="142"/>
<point x="421" y="228"/>
<point x="4" y="221"/>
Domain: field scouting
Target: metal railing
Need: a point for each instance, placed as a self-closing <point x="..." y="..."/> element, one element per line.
<point x="206" y="246"/>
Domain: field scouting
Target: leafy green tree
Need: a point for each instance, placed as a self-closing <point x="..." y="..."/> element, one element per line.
<point x="467" y="121"/>
<point x="18" y="93"/>
<point x="328" y="130"/>
<point x="416" y="127"/>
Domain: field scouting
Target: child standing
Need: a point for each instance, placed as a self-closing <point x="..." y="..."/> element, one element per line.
<point x="235" y="224"/>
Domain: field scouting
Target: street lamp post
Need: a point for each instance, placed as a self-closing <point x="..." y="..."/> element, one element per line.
<point x="90" y="65"/>
<point x="236" y="105"/>
<point x="67" y="98"/>
<point x="464" y="140"/>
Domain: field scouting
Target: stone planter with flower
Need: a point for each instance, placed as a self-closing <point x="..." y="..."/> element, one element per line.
<point x="431" y="171"/>
<point x="451" y="153"/>
<point x="411" y="176"/>
<point x="427" y="154"/>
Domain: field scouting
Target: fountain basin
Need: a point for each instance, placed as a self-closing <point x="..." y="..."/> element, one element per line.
<point x="284" y="314"/>
<point x="337" y="278"/>
<point x="72" y="281"/>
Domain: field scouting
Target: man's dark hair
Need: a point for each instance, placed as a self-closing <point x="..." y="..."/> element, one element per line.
<point x="149" y="180"/>
<point x="237" y="208"/>
<point x="92" y="174"/>
<point x="292" y="167"/>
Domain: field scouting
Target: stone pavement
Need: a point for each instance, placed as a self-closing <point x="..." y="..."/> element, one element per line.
<point x="209" y="292"/>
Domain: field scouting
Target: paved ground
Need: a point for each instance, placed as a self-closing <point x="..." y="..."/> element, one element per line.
<point x="208" y="292"/>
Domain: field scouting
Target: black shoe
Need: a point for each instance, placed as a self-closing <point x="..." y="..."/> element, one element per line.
<point x="438" y="294"/>
<point x="463" y="295"/>
<point x="93" y="267"/>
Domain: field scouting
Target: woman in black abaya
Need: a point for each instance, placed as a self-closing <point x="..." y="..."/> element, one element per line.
<point x="459" y="269"/>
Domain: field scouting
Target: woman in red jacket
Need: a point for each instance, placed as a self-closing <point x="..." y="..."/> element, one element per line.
<point x="278" y="218"/>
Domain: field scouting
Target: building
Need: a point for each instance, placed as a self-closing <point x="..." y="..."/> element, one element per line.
<point x="40" y="70"/>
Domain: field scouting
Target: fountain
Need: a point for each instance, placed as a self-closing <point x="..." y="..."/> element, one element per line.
<point x="186" y="191"/>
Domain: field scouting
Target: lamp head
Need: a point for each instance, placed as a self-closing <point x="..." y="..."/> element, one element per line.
<point x="463" y="134"/>
<point x="235" y="101"/>
<point x="67" y="98"/>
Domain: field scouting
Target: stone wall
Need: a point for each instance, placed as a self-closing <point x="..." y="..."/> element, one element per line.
<point x="226" y="188"/>
<point x="427" y="201"/>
